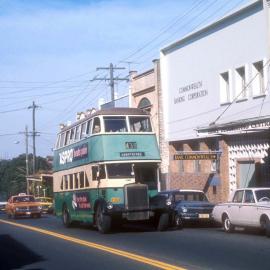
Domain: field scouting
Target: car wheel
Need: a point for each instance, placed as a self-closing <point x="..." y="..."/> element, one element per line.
<point x="103" y="222"/>
<point x="267" y="227"/>
<point x="178" y="222"/>
<point x="66" y="217"/>
<point x="227" y="225"/>
<point x="163" y="222"/>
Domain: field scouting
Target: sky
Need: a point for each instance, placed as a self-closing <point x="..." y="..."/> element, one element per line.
<point x="50" y="49"/>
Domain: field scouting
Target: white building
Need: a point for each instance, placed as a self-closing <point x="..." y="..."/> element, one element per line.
<point x="215" y="85"/>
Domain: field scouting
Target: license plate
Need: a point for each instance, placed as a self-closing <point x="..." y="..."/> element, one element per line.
<point x="203" y="215"/>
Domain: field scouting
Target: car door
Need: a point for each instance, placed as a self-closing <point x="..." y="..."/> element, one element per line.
<point x="248" y="209"/>
<point x="235" y="206"/>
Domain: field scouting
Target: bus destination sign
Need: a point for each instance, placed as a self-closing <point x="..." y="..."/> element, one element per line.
<point x="206" y="156"/>
<point x="132" y="154"/>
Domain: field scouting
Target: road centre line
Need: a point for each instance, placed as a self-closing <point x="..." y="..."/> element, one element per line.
<point x="114" y="251"/>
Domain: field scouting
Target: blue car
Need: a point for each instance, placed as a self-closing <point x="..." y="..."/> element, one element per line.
<point x="185" y="205"/>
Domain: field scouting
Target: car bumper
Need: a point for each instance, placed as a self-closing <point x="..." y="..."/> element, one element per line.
<point x="27" y="213"/>
<point x="197" y="217"/>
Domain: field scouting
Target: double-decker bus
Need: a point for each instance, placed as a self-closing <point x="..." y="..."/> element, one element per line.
<point x="106" y="169"/>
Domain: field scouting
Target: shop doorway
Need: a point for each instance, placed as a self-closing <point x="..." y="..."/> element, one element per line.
<point x="247" y="174"/>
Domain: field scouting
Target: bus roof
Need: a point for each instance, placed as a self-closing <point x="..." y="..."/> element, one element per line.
<point x="109" y="111"/>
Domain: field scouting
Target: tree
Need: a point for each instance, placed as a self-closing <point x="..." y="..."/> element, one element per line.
<point x="13" y="174"/>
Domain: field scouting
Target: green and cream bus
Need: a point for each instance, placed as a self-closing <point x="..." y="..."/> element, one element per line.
<point x="106" y="169"/>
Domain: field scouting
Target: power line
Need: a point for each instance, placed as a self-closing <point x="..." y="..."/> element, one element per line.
<point x="14" y="110"/>
<point x="163" y="30"/>
<point x="161" y="43"/>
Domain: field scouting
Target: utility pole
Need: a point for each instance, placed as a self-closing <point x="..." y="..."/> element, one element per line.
<point x="34" y="134"/>
<point x="112" y="79"/>
<point x="26" y="159"/>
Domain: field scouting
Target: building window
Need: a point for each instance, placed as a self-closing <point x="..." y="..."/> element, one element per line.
<point x="224" y="85"/>
<point x="258" y="87"/>
<point x="240" y="83"/>
<point x="144" y="104"/>
<point x="195" y="146"/>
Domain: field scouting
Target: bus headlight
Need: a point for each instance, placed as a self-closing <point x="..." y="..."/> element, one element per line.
<point x="109" y="205"/>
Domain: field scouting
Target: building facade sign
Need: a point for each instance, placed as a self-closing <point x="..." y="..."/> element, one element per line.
<point x="194" y="156"/>
<point x="189" y="92"/>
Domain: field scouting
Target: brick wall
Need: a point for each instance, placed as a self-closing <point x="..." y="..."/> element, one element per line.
<point x="184" y="176"/>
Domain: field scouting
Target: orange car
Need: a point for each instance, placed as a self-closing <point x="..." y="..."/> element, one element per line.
<point x="23" y="205"/>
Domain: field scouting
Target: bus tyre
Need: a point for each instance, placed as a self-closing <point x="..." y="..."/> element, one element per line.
<point x="66" y="217"/>
<point x="103" y="222"/>
<point x="163" y="222"/>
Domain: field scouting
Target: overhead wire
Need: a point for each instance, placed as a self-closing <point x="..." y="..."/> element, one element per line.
<point x="213" y="14"/>
<point x="163" y="30"/>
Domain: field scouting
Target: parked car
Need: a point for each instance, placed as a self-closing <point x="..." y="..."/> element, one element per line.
<point x="46" y="204"/>
<point x="23" y="205"/>
<point x="185" y="205"/>
<point x="249" y="207"/>
<point x="3" y="206"/>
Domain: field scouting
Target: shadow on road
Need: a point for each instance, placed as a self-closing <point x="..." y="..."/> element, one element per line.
<point x="15" y="255"/>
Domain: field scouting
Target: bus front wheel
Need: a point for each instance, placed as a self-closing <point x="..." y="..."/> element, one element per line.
<point x="103" y="222"/>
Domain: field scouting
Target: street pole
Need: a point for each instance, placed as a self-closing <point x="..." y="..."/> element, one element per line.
<point x="112" y="79"/>
<point x="26" y="159"/>
<point x="112" y="84"/>
<point x="34" y="134"/>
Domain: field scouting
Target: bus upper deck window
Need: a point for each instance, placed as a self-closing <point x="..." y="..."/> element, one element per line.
<point x="67" y="137"/>
<point x="140" y="124"/>
<point x="96" y="125"/>
<point x="115" y="124"/>
<point x="62" y="139"/>
<point x="88" y="127"/>
<point x="72" y="133"/>
<point x="77" y="133"/>
<point x="83" y="131"/>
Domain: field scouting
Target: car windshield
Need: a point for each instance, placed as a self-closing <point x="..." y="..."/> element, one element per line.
<point x="263" y="195"/>
<point x="21" y="199"/>
<point x="190" y="196"/>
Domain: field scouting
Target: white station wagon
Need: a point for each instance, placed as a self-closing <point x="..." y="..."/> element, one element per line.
<point x="249" y="207"/>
